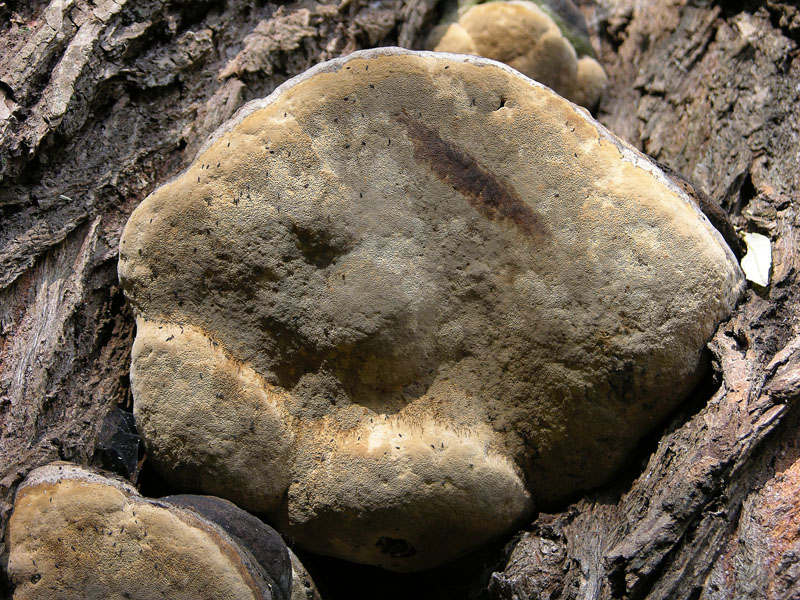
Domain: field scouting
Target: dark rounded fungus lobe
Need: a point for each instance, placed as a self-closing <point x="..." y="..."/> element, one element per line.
<point x="262" y="541"/>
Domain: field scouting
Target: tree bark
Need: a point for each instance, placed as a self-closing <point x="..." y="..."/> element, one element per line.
<point x="102" y="102"/>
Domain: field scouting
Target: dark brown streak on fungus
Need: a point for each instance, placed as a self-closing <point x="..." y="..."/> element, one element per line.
<point x="489" y="197"/>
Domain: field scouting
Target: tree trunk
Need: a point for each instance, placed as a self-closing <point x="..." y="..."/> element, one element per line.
<point x="102" y="102"/>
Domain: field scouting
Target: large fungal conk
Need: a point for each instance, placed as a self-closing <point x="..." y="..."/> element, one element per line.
<point x="522" y="35"/>
<point x="408" y="295"/>
<point x="78" y="533"/>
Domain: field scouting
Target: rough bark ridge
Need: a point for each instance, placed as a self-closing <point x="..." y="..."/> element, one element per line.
<point x="711" y="91"/>
<point x="100" y="102"/>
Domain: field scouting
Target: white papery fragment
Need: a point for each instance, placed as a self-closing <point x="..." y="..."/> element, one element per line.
<point x="758" y="260"/>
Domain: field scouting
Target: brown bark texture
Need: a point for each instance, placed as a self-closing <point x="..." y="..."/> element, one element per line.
<point x="100" y="102"/>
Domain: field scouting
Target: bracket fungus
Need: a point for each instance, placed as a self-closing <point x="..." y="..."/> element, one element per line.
<point x="408" y="295"/>
<point x="77" y="533"/>
<point x="522" y="35"/>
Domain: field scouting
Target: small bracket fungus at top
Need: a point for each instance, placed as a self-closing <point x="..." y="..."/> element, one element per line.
<point x="408" y="295"/>
<point x="524" y="36"/>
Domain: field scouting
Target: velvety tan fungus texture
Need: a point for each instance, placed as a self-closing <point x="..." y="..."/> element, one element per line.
<point x="75" y="533"/>
<point x="406" y="295"/>
<point x="521" y="35"/>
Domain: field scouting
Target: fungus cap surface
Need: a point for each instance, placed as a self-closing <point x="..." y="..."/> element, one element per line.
<point x="522" y="35"/>
<point x="407" y="294"/>
<point x="77" y="533"/>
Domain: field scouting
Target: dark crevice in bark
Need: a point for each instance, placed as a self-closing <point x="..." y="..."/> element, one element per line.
<point x="464" y="579"/>
<point x="740" y="193"/>
<point x="731" y="8"/>
<point x="191" y="14"/>
<point x="786" y="18"/>
<point x="152" y="484"/>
